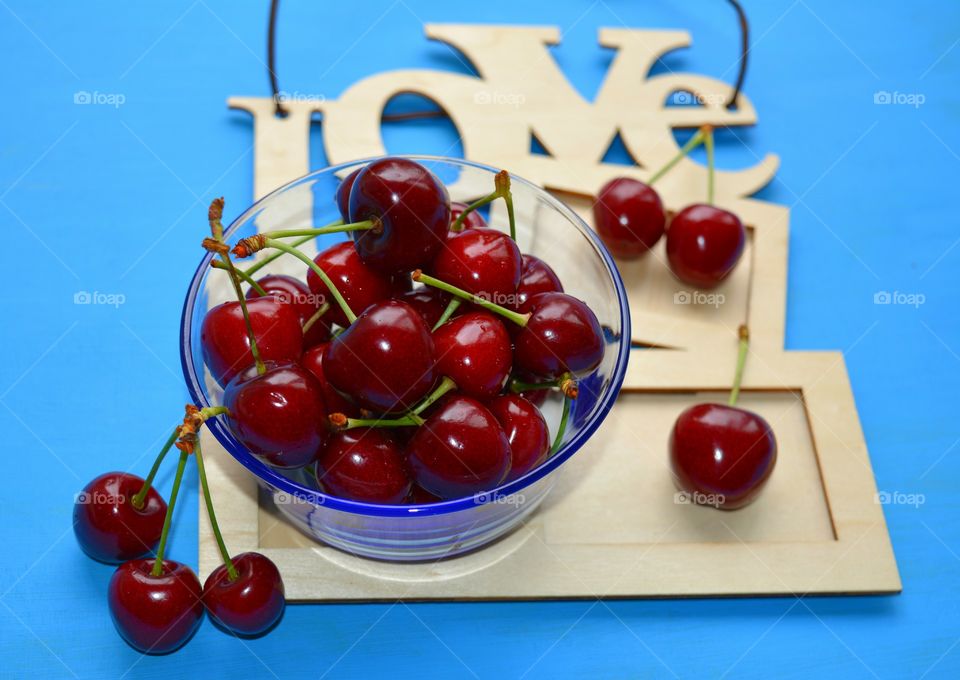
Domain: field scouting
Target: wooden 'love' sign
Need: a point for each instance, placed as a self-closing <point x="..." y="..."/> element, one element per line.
<point x="613" y="526"/>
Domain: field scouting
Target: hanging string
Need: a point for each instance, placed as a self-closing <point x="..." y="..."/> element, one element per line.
<point x="437" y="113"/>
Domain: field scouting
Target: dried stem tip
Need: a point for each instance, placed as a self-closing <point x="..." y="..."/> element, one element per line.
<point x="502" y="182"/>
<point x="416" y="274"/>
<point x="338" y="421"/>
<point x="214" y="246"/>
<point x="569" y="388"/>
<point x="248" y="246"/>
<point x="743" y="333"/>
<point x="215" y="211"/>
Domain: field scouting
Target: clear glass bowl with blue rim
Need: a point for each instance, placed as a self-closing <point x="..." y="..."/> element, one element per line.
<point x="546" y="228"/>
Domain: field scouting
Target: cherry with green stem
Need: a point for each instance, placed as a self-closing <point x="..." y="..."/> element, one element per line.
<point x="247" y="246"/>
<point x="501" y="190"/>
<point x="411" y="418"/>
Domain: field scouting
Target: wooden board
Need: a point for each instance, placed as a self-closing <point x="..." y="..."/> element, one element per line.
<point x="613" y="526"/>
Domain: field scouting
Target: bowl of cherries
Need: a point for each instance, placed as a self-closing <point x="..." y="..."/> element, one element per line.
<point x="406" y="350"/>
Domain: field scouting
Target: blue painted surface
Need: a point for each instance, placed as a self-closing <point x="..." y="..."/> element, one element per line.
<point x="97" y="198"/>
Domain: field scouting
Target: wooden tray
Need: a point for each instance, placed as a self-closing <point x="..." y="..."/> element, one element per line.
<point x="614" y="526"/>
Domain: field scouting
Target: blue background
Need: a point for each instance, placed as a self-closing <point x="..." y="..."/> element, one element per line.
<point x="97" y="198"/>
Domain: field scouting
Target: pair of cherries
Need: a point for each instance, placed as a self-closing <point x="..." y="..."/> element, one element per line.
<point x="409" y="399"/>
<point x="704" y="242"/>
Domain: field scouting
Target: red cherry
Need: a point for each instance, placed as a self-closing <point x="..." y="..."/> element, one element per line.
<point x="474" y="351"/>
<point x="107" y="525"/>
<point x="312" y="360"/>
<point x="629" y="217"/>
<point x="526" y="431"/>
<point x="562" y="335"/>
<point x="360" y="285"/>
<point x="297" y="294"/>
<point x="473" y="220"/>
<point x="429" y="303"/>
<point x="250" y="604"/>
<point x="384" y="360"/>
<point x="536" y="276"/>
<point x="460" y="449"/>
<point x="722" y="454"/>
<point x="704" y="244"/>
<point x="280" y="415"/>
<point x="155" y="614"/>
<point x="342" y="195"/>
<point x="483" y="262"/>
<point x="363" y="464"/>
<point x="413" y="211"/>
<point x="226" y="345"/>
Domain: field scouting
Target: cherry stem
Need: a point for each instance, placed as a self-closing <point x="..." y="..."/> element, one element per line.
<point x="517" y="318"/>
<point x="685" y="150"/>
<point x="502" y="190"/>
<point x="219" y="264"/>
<point x="708" y="142"/>
<point x="257" y="266"/>
<point x="321" y="310"/>
<point x="335" y="228"/>
<point x="744" y="334"/>
<point x="561" y="430"/>
<point x="445" y="386"/>
<point x="341" y="422"/>
<point x="141" y="495"/>
<point x="201" y="471"/>
<point x="165" y="532"/>
<point x="280" y="245"/>
<point x="566" y="382"/>
<point x="447" y="313"/>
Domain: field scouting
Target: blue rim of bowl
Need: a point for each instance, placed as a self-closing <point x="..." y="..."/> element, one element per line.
<point x="274" y="478"/>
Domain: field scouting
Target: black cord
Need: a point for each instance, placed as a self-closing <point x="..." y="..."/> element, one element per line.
<point x="744" y="50"/>
<point x="271" y="58"/>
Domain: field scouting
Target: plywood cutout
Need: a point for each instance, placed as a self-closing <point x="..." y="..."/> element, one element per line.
<point x="613" y="526"/>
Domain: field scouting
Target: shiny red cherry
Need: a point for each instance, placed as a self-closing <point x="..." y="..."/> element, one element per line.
<point x="384" y="360"/>
<point x="629" y="217"/>
<point x="536" y="276"/>
<point x="526" y="431"/>
<point x="561" y="335"/>
<point x="473" y="220"/>
<point x="412" y="209"/>
<point x="474" y="351"/>
<point x="429" y="302"/>
<point x="342" y="195"/>
<point x="363" y="464"/>
<point x="312" y="360"/>
<point x="460" y="450"/>
<point x="359" y="284"/>
<point x="296" y="293"/>
<point x="704" y="244"/>
<point x="251" y="603"/>
<point x="484" y="262"/>
<point x="279" y="415"/>
<point x="108" y="526"/>
<point x="155" y="614"/>
<point x="226" y="345"/>
<point x="722" y="455"/>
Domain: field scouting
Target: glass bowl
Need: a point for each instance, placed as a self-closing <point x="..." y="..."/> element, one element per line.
<point x="546" y="228"/>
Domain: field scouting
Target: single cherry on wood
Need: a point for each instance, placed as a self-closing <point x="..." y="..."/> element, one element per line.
<point x="108" y="524"/>
<point x="155" y="614"/>
<point x="704" y="244"/>
<point x="629" y="217"/>
<point x="226" y="343"/>
<point x="249" y="604"/>
<point x="364" y="464"/>
<point x="460" y="450"/>
<point x="474" y="351"/>
<point x="385" y="360"/>
<point x="411" y="210"/>
<point x="359" y="284"/>
<point x="279" y="415"/>
<point x="526" y="431"/>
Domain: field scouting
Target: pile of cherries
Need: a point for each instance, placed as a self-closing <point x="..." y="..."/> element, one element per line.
<point x="704" y="242"/>
<point x="409" y="364"/>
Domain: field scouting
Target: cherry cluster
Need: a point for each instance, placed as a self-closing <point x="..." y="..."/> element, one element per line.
<point x="704" y="242"/>
<point x="409" y="364"/>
